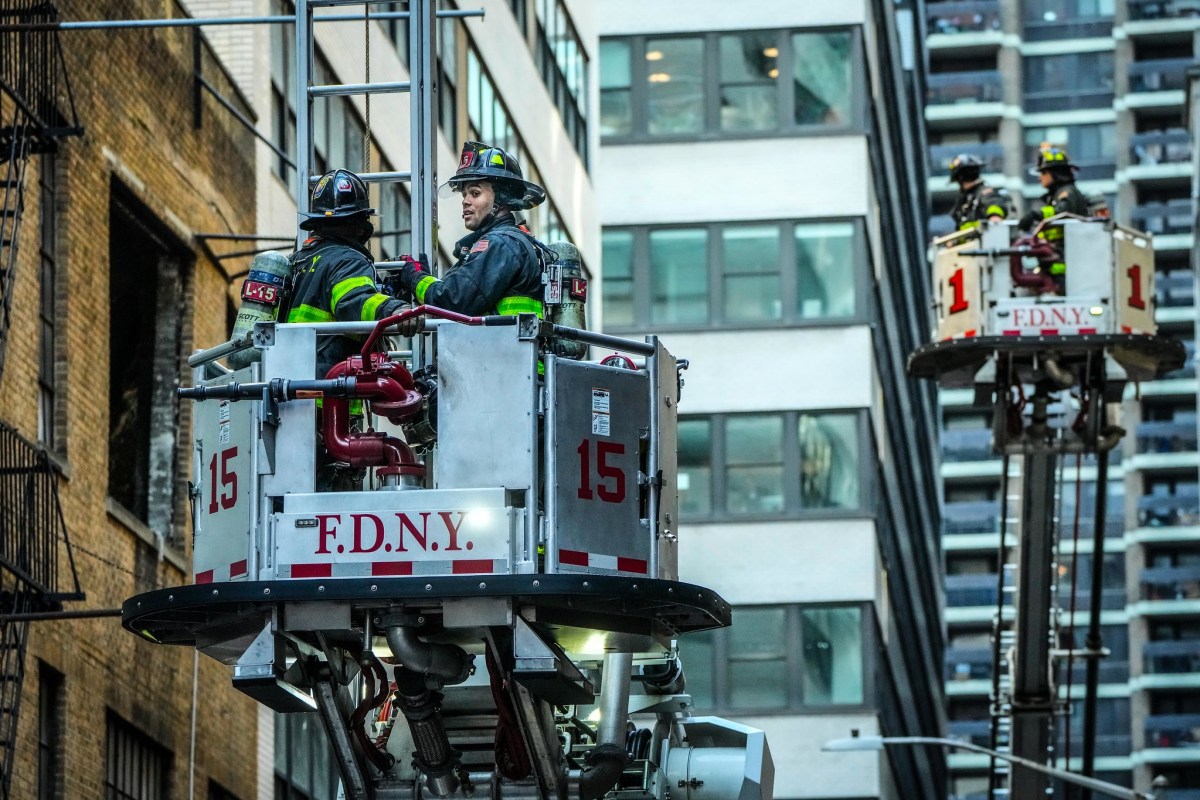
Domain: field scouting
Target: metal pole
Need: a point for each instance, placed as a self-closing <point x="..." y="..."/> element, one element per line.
<point x="194" y="22"/>
<point x="303" y="102"/>
<point x="1032" y="689"/>
<point x="1093" y="641"/>
<point x="423" y="64"/>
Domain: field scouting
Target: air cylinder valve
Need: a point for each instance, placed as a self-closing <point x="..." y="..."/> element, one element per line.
<point x="261" y="292"/>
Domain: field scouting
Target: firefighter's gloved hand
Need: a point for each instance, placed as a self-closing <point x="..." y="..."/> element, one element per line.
<point x="405" y="279"/>
<point x="411" y="326"/>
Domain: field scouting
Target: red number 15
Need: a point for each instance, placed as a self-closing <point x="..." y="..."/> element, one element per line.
<point x="228" y="481"/>
<point x="609" y="494"/>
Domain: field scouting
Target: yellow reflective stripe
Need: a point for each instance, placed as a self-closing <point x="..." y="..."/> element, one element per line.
<point x="1052" y="234"/>
<point x="342" y="287"/>
<point x="423" y="287"/>
<point x="995" y="211"/>
<point x="511" y="306"/>
<point x="969" y="224"/>
<point x="372" y="305"/>
<point x="1047" y="212"/>
<point x="1058" y="268"/>
<point x="306" y="313"/>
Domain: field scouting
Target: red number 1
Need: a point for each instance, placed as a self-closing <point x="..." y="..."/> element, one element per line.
<point x="1135" y="292"/>
<point x="960" y="297"/>
<point x="228" y="480"/>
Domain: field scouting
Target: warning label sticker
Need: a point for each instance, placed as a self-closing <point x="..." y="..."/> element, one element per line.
<point x="601" y="425"/>
<point x="600" y="400"/>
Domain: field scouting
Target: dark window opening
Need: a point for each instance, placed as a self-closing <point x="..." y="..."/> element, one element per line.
<point x="48" y="307"/>
<point x="136" y="766"/>
<point x="146" y="296"/>
<point x="50" y="729"/>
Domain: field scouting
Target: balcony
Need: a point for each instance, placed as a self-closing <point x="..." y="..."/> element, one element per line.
<point x="1055" y="30"/>
<point x="1143" y="10"/>
<point x="1173" y="730"/>
<point x="968" y="664"/>
<point x="1171" y="657"/>
<point x="1171" y="583"/>
<point x="1080" y="98"/>
<point x="1166" y="437"/>
<point x="982" y="516"/>
<point x="1168" y="511"/>
<point x="965" y="16"/>
<point x="967" y="445"/>
<point x="975" y="731"/>
<point x="1106" y="745"/>
<point x="1161" y="219"/>
<point x="1111" y="598"/>
<point x="969" y="591"/>
<point x="1159" y="75"/>
<point x="1160" y="147"/>
<point x="974" y="95"/>
<point x="1111" y="671"/>
<point x="940" y="156"/>
<point x="1175" y="289"/>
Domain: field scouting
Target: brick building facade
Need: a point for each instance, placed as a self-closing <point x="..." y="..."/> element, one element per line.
<point x="113" y="286"/>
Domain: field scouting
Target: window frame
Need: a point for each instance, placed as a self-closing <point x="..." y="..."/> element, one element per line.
<point x="127" y="741"/>
<point x="723" y="656"/>
<point x="711" y="80"/>
<point x="792" y="508"/>
<point x="641" y="278"/>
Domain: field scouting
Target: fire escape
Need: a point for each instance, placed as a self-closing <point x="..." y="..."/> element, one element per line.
<point x="33" y="533"/>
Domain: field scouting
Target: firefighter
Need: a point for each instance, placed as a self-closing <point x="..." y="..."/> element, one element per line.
<point x="1057" y="175"/>
<point x="333" y="274"/>
<point x="977" y="202"/>
<point x="499" y="266"/>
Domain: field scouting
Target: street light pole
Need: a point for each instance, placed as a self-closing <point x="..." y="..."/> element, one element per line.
<point x="856" y="743"/>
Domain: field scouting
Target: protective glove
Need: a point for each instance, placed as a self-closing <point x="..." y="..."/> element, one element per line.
<point x="405" y="279"/>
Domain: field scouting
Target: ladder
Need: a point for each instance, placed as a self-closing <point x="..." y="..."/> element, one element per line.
<point x="422" y="88"/>
<point x="16" y="158"/>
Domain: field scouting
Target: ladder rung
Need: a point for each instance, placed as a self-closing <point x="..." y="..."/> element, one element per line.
<point x="333" y="89"/>
<point x="374" y="177"/>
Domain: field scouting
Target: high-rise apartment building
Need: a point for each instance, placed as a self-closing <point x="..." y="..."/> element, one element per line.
<point x="1105" y="80"/>
<point x="761" y="184"/>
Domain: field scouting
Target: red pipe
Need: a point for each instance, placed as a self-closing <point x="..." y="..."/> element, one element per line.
<point x="384" y="389"/>
<point x="1045" y="253"/>
<point x="429" y="311"/>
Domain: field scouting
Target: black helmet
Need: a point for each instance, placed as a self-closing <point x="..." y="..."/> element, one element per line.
<point x="963" y="165"/>
<point x="339" y="194"/>
<point x="480" y="162"/>
<point x="1053" y="159"/>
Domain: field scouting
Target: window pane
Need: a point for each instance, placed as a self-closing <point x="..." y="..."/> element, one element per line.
<point x="616" y="113"/>
<point x="833" y="658"/>
<point x="821" y="78"/>
<point x="758" y="658"/>
<point x="679" y="275"/>
<point x="825" y="270"/>
<point x="696" y="653"/>
<point x="828" y="461"/>
<point x="749" y="68"/>
<point x="754" y="458"/>
<point x="675" y="85"/>
<point x="617" y="260"/>
<point x="750" y="258"/>
<point x="695" y="468"/>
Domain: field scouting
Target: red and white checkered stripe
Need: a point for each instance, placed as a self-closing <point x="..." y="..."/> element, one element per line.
<point x="235" y="571"/>
<point x="600" y="561"/>
<point x="1048" y="331"/>
<point x="968" y="334"/>
<point x="391" y="569"/>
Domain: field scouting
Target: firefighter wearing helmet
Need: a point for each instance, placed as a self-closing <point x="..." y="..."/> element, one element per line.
<point x="499" y="263"/>
<point x="977" y="202"/>
<point x="333" y="274"/>
<point x="1057" y="175"/>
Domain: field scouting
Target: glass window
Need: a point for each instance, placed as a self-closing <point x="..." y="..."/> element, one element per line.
<point x="828" y="460"/>
<point x="695" y="467"/>
<point x="136" y="766"/>
<point x="825" y="270"/>
<point x="750" y="261"/>
<point x="833" y="655"/>
<point x="821" y="78"/>
<point x="679" y="275"/>
<point x="1069" y="73"/>
<point x="754" y="464"/>
<point x="696" y="651"/>
<point x="758" y="658"/>
<point x="749" y="68"/>
<point x="675" y="86"/>
<point x="617" y="250"/>
<point x="616" y="111"/>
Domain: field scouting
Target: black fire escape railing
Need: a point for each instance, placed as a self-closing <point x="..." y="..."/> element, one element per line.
<point x="32" y="526"/>
<point x="31" y="66"/>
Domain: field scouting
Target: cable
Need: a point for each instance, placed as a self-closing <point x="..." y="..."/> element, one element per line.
<point x="1074" y="584"/>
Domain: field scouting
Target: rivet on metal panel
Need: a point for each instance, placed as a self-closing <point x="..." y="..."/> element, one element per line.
<point x="635" y="587"/>
<point x="215" y="593"/>
<point x="266" y="591"/>
<point x="170" y="598"/>
<point x="429" y="587"/>
<point x="420" y="620"/>
<point x="374" y="588"/>
<point x="586" y="584"/>
<point x="320" y="588"/>
<point x="537" y="584"/>
<point x="482" y="585"/>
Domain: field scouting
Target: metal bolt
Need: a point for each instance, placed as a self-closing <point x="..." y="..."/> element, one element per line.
<point x="215" y="593"/>
<point x="586" y="584"/>
<point x="320" y="588"/>
<point x="420" y="620"/>
<point x="170" y="598"/>
<point x="482" y="585"/>
<point x="374" y="588"/>
<point x="375" y="620"/>
<point x="537" y="584"/>
<point x="429" y="587"/>
<point x="266" y="591"/>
